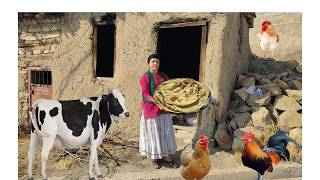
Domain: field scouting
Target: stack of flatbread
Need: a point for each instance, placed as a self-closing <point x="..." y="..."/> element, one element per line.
<point x="182" y="95"/>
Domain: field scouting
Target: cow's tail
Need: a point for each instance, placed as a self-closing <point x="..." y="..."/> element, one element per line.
<point x="32" y="115"/>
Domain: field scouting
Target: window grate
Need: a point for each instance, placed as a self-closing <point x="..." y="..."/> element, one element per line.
<point x="41" y="77"/>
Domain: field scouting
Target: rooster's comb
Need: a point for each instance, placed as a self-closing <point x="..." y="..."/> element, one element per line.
<point x="203" y="137"/>
<point x="248" y="135"/>
<point x="265" y="22"/>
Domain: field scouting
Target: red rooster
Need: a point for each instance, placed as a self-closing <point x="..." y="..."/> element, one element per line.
<point x="269" y="39"/>
<point x="262" y="160"/>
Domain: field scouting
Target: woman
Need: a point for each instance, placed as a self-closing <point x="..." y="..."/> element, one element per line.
<point x="157" y="138"/>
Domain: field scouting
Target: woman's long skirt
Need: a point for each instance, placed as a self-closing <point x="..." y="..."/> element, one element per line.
<point x="157" y="138"/>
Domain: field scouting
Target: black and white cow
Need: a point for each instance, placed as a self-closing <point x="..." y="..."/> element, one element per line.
<point x="71" y="124"/>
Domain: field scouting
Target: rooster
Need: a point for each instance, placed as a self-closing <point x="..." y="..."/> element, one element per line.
<point x="269" y="39"/>
<point x="196" y="165"/>
<point x="262" y="160"/>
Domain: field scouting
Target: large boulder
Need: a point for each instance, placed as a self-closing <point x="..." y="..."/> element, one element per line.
<point x="242" y="119"/>
<point x="253" y="100"/>
<point x="223" y="137"/>
<point x="285" y="103"/>
<point x="261" y="118"/>
<point x="295" y="94"/>
<point x="272" y="88"/>
<point x="290" y="119"/>
<point x="240" y="94"/>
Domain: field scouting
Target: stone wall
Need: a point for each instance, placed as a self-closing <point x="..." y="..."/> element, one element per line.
<point x="39" y="37"/>
<point x="63" y="43"/>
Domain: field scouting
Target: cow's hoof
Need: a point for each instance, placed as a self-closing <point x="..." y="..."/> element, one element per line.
<point x="99" y="176"/>
<point x="92" y="178"/>
<point x="31" y="178"/>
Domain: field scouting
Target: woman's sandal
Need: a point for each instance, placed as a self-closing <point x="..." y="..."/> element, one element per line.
<point x="156" y="164"/>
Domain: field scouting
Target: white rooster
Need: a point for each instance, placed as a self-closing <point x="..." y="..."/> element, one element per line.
<point x="269" y="39"/>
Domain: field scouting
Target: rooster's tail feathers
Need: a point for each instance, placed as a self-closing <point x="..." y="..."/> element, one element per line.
<point x="278" y="144"/>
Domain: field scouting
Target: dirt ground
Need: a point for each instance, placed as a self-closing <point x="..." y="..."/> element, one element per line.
<point x="113" y="154"/>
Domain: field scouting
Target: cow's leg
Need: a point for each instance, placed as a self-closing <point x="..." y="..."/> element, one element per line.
<point x="93" y="153"/>
<point x="96" y="167"/>
<point x="32" y="151"/>
<point x="47" y="145"/>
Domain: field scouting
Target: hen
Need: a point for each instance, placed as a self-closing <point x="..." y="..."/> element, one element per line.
<point x="196" y="165"/>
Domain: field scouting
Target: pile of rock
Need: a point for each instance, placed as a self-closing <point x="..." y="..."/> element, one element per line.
<point x="263" y="104"/>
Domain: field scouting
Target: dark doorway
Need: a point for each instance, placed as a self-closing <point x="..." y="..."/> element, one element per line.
<point x="180" y="49"/>
<point x="105" y="50"/>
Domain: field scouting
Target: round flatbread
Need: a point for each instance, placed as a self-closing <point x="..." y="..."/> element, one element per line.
<point x="181" y="95"/>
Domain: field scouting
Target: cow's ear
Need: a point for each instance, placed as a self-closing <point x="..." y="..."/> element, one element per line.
<point x="107" y="97"/>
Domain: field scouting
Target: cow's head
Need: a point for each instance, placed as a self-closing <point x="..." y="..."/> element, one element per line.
<point x="116" y="104"/>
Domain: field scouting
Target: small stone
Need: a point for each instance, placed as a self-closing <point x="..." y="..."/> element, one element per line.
<point x="282" y="85"/>
<point x="284" y="74"/>
<point x="21" y="51"/>
<point x="46" y="51"/>
<point x="296" y="85"/>
<point x="52" y="35"/>
<point x="36" y="51"/>
<point x="244" y="81"/>
<point x="290" y="119"/>
<point x="261" y="118"/>
<point x="285" y="103"/>
<point x="241" y="94"/>
<point x="252" y="100"/>
<point x="292" y="64"/>
<point x="299" y="68"/>
<point x="264" y="81"/>
<point x="242" y="109"/>
<point x="273" y="112"/>
<point x="256" y="76"/>
<point x="272" y="88"/>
